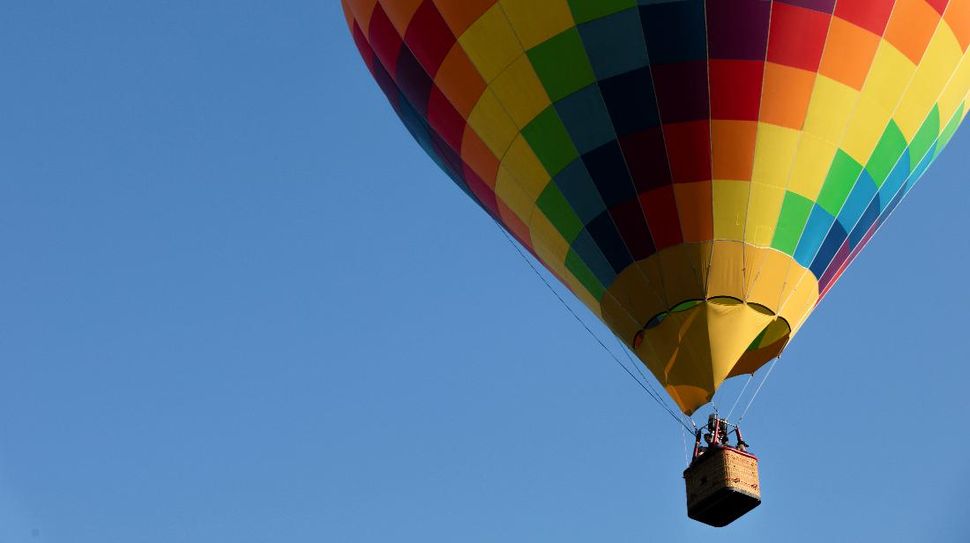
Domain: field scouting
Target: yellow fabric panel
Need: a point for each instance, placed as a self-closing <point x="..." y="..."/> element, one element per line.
<point x="764" y="206"/>
<point x="774" y="151"/>
<point x="634" y="298"/>
<point x="642" y="295"/>
<point x="891" y="72"/>
<point x="868" y="124"/>
<point x="776" y="331"/>
<point x="520" y="91"/>
<point x="938" y="64"/>
<point x="965" y="103"/>
<point x="686" y="352"/>
<point x="580" y="291"/>
<point x="678" y="351"/>
<point x="535" y="21"/>
<point x="811" y="165"/>
<point x="726" y="275"/>
<point x="730" y="208"/>
<point x="686" y="395"/>
<point x="656" y="284"/>
<point x="830" y="108"/>
<point x="492" y="124"/>
<point x="765" y="279"/>
<point x="491" y="43"/>
<point x="510" y="192"/>
<point x="732" y="328"/>
<point x="618" y="321"/>
<point x="400" y="12"/>
<point x="553" y="245"/>
<point x="684" y="271"/>
<point x="689" y="362"/>
<point x="583" y="295"/>
<point x="955" y="90"/>
<point x="799" y="297"/>
<point x="691" y="352"/>
<point x="965" y="108"/>
<point x="552" y="249"/>
<point x="530" y="174"/>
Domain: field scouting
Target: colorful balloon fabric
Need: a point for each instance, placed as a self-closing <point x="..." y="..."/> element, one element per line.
<point x="698" y="173"/>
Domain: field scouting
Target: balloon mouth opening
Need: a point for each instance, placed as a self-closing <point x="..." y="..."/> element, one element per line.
<point x="697" y="344"/>
<point x="685" y="305"/>
<point x="767" y="345"/>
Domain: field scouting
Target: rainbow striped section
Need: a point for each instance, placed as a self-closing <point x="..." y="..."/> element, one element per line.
<point x="743" y="144"/>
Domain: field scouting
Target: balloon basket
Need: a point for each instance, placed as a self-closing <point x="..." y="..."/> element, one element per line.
<point x="722" y="486"/>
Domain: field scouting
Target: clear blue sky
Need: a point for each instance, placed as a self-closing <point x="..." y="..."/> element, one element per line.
<point x="238" y="304"/>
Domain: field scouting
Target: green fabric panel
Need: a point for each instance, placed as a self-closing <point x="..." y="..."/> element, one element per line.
<point x="549" y="140"/>
<point x="555" y="207"/>
<point x="951" y="128"/>
<point x="791" y="221"/>
<point x="884" y="157"/>
<point x="562" y="65"/>
<point x="684" y="306"/>
<point x="924" y="138"/>
<point x="756" y="344"/>
<point x="587" y="10"/>
<point x="839" y="182"/>
<point x="578" y="268"/>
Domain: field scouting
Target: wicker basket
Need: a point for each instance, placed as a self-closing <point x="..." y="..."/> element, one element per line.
<point x="722" y="485"/>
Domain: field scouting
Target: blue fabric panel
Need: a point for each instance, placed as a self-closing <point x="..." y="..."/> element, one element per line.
<point x="819" y="222"/>
<point x="895" y="179"/>
<point x="857" y="202"/>
<point x="826" y="253"/>
<point x="586" y="118"/>
<point x="590" y="253"/>
<point x="578" y="188"/>
<point x="615" y="43"/>
<point x="868" y="219"/>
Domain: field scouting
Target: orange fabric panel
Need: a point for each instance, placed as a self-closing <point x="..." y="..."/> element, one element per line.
<point x="786" y="95"/>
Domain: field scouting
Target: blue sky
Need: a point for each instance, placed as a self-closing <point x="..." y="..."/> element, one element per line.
<point x="238" y="304"/>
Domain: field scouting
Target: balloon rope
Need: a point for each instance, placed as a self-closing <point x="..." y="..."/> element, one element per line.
<point x="647" y="387"/>
<point x="740" y="395"/>
<point x="683" y="441"/>
<point x="654" y="393"/>
<point x="636" y="365"/>
<point x="758" y="390"/>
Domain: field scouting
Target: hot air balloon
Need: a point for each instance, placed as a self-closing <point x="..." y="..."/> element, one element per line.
<point x="698" y="173"/>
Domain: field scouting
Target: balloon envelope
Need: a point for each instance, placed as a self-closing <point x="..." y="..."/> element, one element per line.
<point x="698" y="173"/>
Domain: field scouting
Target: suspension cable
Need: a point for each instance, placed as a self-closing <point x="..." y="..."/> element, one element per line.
<point x="740" y="395"/>
<point x="758" y="390"/>
<point x="654" y="393"/>
<point x="683" y="441"/>
<point x="645" y="386"/>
